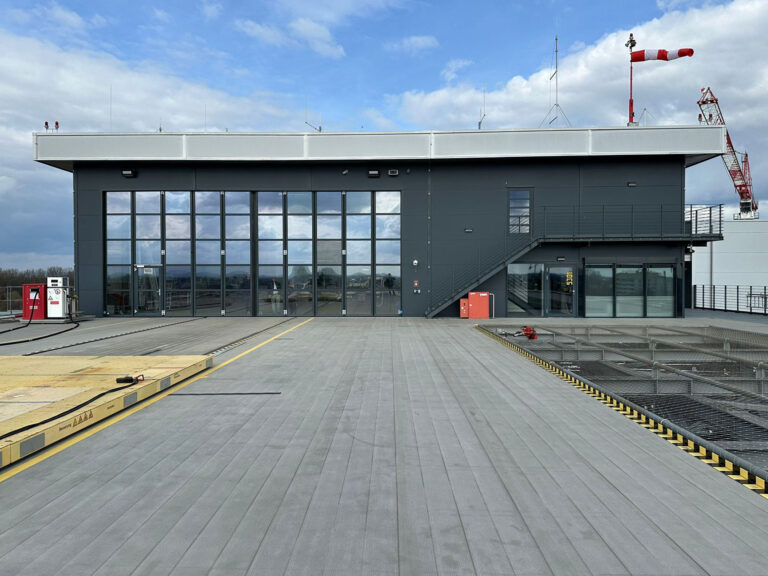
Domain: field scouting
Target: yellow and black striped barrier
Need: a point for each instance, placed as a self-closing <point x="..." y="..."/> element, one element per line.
<point x="733" y="471"/>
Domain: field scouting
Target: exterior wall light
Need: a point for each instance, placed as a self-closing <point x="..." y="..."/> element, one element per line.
<point x="631" y="184"/>
<point x="415" y="263"/>
<point x="129" y="173"/>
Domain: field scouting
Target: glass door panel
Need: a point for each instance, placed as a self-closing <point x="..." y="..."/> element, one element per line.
<point x="300" y="291"/>
<point x="147" y="293"/>
<point x="660" y="287"/>
<point x="599" y="292"/>
<point x="629" y="292"/>
<point x="561" y="291"/>
<point x="270" y="291"/>
<point x="329" y="291"/>
<point x="524" y="289"/>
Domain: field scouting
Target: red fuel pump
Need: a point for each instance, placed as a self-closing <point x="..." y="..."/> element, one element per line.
<point x="33" y="304"/>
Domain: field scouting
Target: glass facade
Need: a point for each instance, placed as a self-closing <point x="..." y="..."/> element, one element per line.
<point x="630" y="291"/>
<point x="598" y="290"/>
<point x="326" y="253"/>
<point x="660" y="290"/>
<point x="524" y="289"/>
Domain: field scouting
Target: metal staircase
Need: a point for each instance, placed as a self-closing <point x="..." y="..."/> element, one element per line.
<point x="466" y="277"/>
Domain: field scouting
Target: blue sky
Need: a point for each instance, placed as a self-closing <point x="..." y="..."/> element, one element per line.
<point x="353" y="65"/>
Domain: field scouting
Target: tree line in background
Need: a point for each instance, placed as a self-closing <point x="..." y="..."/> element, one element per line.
<point x="14" y="277"/>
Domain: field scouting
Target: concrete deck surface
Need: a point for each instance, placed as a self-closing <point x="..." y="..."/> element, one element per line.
<point x="396" y="446"/>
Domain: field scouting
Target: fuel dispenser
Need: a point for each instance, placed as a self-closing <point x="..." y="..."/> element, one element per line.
<point x="33" y="305"/>
<point x="57" y="301"/>
<point x="49" y="301"/>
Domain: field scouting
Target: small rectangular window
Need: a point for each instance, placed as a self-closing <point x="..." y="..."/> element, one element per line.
<point x="519" y="211"/>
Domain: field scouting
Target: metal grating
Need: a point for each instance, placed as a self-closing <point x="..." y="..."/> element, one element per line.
<point x="708" y="380"/>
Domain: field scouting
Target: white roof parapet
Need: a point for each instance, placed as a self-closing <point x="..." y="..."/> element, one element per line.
<point x="63" y="150"/>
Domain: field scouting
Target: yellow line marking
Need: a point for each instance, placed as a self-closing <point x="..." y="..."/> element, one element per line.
<point x="60" y="447"/>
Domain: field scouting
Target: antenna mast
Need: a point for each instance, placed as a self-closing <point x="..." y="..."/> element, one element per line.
<point x="556" y="110"/>
<point x="480" y="123"/>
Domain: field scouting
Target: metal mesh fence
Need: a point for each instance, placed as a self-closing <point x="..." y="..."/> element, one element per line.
<point x="710" y="381"/>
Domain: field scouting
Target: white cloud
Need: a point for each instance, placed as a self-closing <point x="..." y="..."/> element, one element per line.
<point x="668" y="5"/>
<point x="577" y="46"/>
<point x="161" y="15"/>
<point x="97" y="21"/>
<point x="379" y="120"/>
<point x="65" y="18"/>
<point x="211" y="10"/>
<point x="56" y="20"/>
<point x="451" y="69"/>
<point x="331" y="12"/>
<point x="413" y="44"/>
<point x="300" y="32"/>
<point x="594" y="88"/>
<point x="310" y="22"/>
<point x="40" y="81"/>
<point x="317" y="37"/>
<point x="266" y="34"/>
<point x="35" y="260"/>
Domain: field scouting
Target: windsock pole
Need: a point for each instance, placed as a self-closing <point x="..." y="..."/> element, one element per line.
<point x="631" y="43"/>
<point x="644" y="56"/>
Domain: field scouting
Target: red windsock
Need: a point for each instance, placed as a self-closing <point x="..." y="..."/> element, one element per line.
<point x="643" y="55"/>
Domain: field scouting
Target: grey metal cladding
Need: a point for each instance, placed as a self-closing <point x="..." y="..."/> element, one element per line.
<point x="692" y="142"/>
<point x="129" y="399"/>
<point x="32" y="444"/>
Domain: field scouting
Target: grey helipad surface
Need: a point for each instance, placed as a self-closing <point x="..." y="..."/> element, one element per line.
<point x="132" y="336"/>
<point x="395" y="446"/>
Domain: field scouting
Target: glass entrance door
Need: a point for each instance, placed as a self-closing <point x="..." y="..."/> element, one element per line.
<point x="561" y="290"/>
<point x="147" y="290"/>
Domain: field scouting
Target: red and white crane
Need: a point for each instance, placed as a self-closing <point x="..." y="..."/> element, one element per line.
<point x="739" y="173"/>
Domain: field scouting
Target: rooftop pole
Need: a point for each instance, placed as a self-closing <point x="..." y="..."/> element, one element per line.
<point x="631" y="43"/>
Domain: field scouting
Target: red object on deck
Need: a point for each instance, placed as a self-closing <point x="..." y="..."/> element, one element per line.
<point x="33" y="303"/>
<point x="479" y="305"/>
<point x="530" y="333"/>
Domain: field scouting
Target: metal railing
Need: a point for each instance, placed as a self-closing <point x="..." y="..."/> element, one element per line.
<point x="10" y="300"/>
<point x="464" y="275"/>
<point x="704" y="220"/>
<point x="574" y="223"/>
<point x="749" y="299"/>
<point x="627" y="222"/>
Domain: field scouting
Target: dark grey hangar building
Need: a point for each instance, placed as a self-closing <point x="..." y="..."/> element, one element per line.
<point x="575" y="222"/>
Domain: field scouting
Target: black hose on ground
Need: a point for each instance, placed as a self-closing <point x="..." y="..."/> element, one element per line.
<point x="133" y="380"/>
<point x="31" y="313"/>
<point x="71" y="319"/>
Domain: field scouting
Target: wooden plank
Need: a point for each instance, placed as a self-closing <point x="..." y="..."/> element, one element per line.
<point x="38" y="388"/>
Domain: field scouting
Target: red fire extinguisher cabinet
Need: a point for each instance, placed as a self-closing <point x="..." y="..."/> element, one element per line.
<point x="479" y="306"/>
<point x="33" y="301"/>
<point x="464" y="308"/>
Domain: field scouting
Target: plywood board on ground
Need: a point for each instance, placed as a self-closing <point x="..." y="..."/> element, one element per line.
<point x="49" y="395"/>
